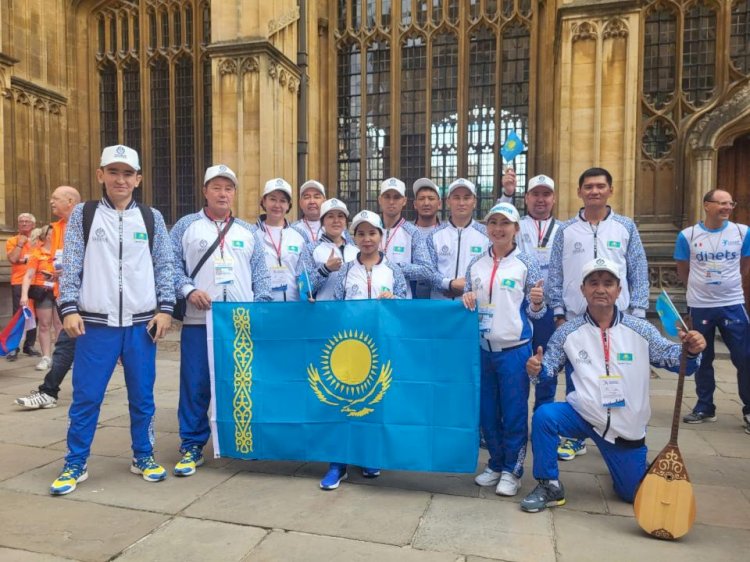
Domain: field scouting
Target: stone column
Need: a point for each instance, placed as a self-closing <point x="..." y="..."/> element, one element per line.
<point x="254" y="85"/>
<point x="598" y="94"/>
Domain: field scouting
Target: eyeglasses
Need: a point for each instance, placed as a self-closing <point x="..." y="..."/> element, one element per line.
<point x="730" y="204"/>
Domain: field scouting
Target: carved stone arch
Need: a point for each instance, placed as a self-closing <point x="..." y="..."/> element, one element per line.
<point x="584" y="31"/>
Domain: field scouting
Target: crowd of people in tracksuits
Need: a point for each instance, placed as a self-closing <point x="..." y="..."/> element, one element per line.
<point x="526" y="277"/>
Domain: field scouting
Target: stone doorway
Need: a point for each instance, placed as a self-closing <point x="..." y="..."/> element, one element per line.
<point x="733" y="174"/>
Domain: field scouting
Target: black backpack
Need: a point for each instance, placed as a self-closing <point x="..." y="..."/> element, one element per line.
<point x="89" y="208"/>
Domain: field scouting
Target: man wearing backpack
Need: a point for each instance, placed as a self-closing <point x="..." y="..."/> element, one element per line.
<point x="117" y="271"/>
<point x="712" y="256"/>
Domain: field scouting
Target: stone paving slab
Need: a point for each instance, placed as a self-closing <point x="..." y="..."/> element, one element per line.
<point x="292" y="546"/>
<point x="581" y="537"/>
<point x="72" y="529"/>
<point x="110" y="482"/>
<point x="721" y="506"/>
<point x="483" y="528"/>
<point x="357" y="512"/>
<point x="36" y="431"/>
<point x="13" y="555"/>
<point x="195" y="540"/>
<point x="18" y="459"/>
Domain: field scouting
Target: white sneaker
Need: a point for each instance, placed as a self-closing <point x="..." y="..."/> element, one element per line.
<point x="44" y="364"/>
<point x="508" y="485"/>
<point x="36" y="399"/>
<point x="487" y="478"/>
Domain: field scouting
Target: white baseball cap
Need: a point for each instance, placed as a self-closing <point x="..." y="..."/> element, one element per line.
<point x="369" y="217"/>
<point x="462" y="182"/>
<point x="393" y="184"/>
<point x="312" y="184"/>
<point x="541" y="179"/>
<point x="505" y="209"/>
<point x="601" y="264"/>
<point x="423" y="183"/>
<point x="277" y="184"/>
<point x="120" y="153"/>
<point x="333" y="205"/>
<point x="219" y="171"/>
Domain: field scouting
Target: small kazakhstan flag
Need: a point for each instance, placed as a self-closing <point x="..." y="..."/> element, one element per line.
<point x="513" y="146"/>
<point x="392" y="384"/>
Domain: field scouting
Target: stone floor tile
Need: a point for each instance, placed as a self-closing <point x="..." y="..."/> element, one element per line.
<point x="491" y="529"/>
<point x="196" y="540"/>
<point x="291" y="546"/>
<point x="13" y="555"/>
<point x="32" y="427"/>
<point x="68" y="528"/>
<point x="358" y="512"/>
<point x="721" y="506"/>
<point x="583" y="537"/>
<point x="17" y="459"/>
<point x="110" y="482"/>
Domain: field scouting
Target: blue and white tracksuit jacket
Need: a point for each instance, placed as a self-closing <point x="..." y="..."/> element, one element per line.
<point x="578" y="242"/>
<point x="282" y="267"/>
<point x="404" y="246"/>
<point x="451" y="249"/>
<point x="354" y="282"/>
<point x="505" y="336"/>
<point x="191" y="236"/>
<point x="115" y="283"/>
<point x="313" y="263"/>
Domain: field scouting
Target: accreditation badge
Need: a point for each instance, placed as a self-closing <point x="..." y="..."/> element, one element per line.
<point x="486" y="312"/>
<point x="613" y="394"/>
<point x="279" y="278"/>
<point x="223" y="270"/>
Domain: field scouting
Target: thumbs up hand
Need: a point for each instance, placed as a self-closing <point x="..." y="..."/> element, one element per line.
<point x="334" y="262"/>
<point x="536" y="295"/>
<point x="534" y="364"/>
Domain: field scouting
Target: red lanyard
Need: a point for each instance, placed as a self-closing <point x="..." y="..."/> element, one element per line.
<point x="605" y="346"/>
<point x="368" y="272"/>
<point x="393" y="234"/>
<point x="219" y="229"/>
<point x="313" y="236"/>
<point x="270" y="237"/>
<point x="540" y="232"/>
<point x="495" y="263"/>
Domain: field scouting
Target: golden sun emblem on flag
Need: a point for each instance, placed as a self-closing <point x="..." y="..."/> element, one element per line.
<point x="350" y="378"/>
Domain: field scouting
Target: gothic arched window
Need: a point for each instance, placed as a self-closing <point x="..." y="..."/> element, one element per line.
<point x="157" y="99"/>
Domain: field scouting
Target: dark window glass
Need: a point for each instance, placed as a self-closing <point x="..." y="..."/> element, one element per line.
<point x="413" y="110"/>
<point x="739" y="42"/>
<point x="184" y="137"/>
<point x="108" y="104"/>
<point x="444" y="123"/>
<point x="659" y="55"/>
<point x="349" y="135"/>
<point x="378" y="128"/>
<point x="699" y="54"/>
<point x="161" y="140"/>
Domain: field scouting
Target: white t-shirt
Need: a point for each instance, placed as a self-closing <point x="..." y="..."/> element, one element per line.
<point x="714" y="257"/>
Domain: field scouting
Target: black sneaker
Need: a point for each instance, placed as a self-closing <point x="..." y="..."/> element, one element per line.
<point x="12" y="356"/>
<point x="31" y="352"/>
<point x="699" y="417"/>
<point x="544" y="495"/>
<point x="746" y="423"/>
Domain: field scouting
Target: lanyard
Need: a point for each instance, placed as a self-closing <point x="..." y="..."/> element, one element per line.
<point x="605" y="346"/>
<point x="368" y="272"/>
<point x="220" y="230"/>
<point x="543" y="234"/>
<point x="395" y="230"/>
<point x="313" y="236"/>
<point x="277" y="249"/>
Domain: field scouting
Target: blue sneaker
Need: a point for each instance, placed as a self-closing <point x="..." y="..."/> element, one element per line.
<point x="70" y="476"/>
<point x="192" y="457"/>
<point x="336" y="473"/>
<point x="571" y="448"/>
<point x="149" y="469"/>
<point x="370" y="472"/>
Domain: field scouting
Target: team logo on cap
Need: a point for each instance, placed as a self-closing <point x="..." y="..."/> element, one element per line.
<point x="335" y="203"/>
<point x="541" y="179"/>
<point x="348" y="377"/>
<point x="600" y="261"/>
<point x="120" y="152"/>
<point x="279" y="181"/>
<point x="392" y="181"/>
<point x="222" y="168"/>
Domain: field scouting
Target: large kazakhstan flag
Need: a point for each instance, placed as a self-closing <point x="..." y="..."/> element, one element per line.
<point x="391" y="384"/>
